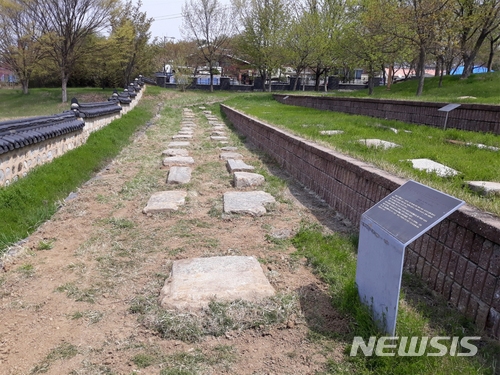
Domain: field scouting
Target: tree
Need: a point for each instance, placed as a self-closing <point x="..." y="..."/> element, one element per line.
<point x="477" y="19"/>
<point x="264" y="23"/>
<point x="415" y="22"/>
<point x="301" y="41"/>
<point x="211" y="25"/>
<point x="329" y="18"/>
<point x="65" y="25"/>
<point x="129" y="40"/>
<point x="19" y="48"/>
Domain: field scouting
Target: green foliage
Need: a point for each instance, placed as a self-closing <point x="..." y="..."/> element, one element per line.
<point x="483" y="87"/>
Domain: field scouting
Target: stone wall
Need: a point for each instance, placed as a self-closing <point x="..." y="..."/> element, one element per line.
<point x="472" y="117"/>
<point x="459" y="258"/>
<point x="18" y="162"/>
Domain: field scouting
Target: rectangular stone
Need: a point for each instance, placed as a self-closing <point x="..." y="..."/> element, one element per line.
<point x="178" y="160"/>
<point x="194" y="283"/>
<point x="179" y="175"/>
<point x="238" y="166"/>
<point x="163" y="201"/>
<point x="178" y="144"/>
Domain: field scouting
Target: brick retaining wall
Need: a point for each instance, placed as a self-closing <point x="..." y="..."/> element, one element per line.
<point x="459" y="258"/>
<point x="472" y="117"/>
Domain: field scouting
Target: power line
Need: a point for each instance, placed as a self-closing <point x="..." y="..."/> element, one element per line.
<point x="168" y="17"/>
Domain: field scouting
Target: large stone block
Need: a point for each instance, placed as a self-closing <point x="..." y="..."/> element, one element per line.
<point x="193" y="283"/>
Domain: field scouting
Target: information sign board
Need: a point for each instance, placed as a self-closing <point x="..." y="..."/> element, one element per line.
<point x="385" y="231"/>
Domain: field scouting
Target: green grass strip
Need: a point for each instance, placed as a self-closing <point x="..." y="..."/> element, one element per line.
<point x="333" y="257"/>
<point x="27" y="203"/>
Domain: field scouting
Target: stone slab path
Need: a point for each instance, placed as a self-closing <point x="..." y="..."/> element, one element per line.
<point x="193" y="283"/>
<point x="431" y="166"/>
<point x="96" y="290"/>
<point x="179" y="175"/>
<point x="165" y="201"/>
<point x="238" y="166"/>
<point x="378" y="143"/>
<point x="252" y="203"/>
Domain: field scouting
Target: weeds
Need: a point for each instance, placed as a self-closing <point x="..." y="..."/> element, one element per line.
<point x="91" y="316"/>
<point x="45" y="244"/>
<point x="33" y="199"/>
<point x="79" y="295"/>
<point x="27" y="270"/>
<point x="333" y="258"/>
<point x="216" y="319"/>
<point x="63" y="351"/>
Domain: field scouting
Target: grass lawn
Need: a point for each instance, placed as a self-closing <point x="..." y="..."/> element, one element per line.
<point x="483" y="88"/>
<point x="415" y="142"/>
<point x="39" y="102"/>
<point x="33" y="199"/>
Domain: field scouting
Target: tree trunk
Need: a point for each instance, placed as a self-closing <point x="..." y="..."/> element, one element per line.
<point x="389" y="77"/>
<point x="441" y="72"/>
<point x="211" y="78"/>
<point x="317" y="77"/>
<point x="421" y="71"/>
<point x="491" y="55"/>
<point x="270" y="86"/>
<point x="64" y="87"/>
<point x="470" y="57"/>
<point x="25" y="84"/>
<point x="370" y="81"/>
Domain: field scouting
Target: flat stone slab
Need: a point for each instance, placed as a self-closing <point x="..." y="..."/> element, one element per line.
<point x="230" y="155"/>
<point x="218" y="133"/>
<point x="487" y="188"/>
<point x="163" y="201"/>
<point x="480" y="145"/>
<point x="178" y="144"/>
<point x="218" y="138"/>
<point x="246" y="179"/>
<point x="250" y="203"/>
<point x="331" y="132"/>
<point x="179" y="175"/>
<point x="193" y="283"/>
<point x="185" y="132"/>
<point x="218" y="128"/>
<point x="378" y="143"/>
<point x="178" y="160"/>
<point x="175" y="152"/>
<point x="182" y="136"/>
<point x="234" y="165"/>
<point x="229" y="148"/>
<point x="188" y="124"/>
<point x="431" y="166"/>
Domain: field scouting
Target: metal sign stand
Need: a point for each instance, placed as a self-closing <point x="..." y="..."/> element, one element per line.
<point x="385" y="231"/>
<point x="448" y="108"/>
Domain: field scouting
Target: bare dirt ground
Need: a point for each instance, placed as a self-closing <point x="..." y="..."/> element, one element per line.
<point x="80" y="295"/>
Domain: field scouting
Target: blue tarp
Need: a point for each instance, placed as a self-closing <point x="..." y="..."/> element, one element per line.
<point x="477" y="69"/>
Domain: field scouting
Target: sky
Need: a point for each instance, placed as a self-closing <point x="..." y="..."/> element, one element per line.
<point x="167" y="17"/>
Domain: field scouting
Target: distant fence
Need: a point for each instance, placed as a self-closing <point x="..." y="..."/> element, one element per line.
<point x="225" y="84"/>
<point x="471" y="117"/>
<point x="459" y="258"/>
<point x="29" y="142"/>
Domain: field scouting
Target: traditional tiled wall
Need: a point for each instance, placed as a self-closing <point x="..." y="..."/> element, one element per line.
<point x="459" y="258"/>
<point x="18" y="162"/>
